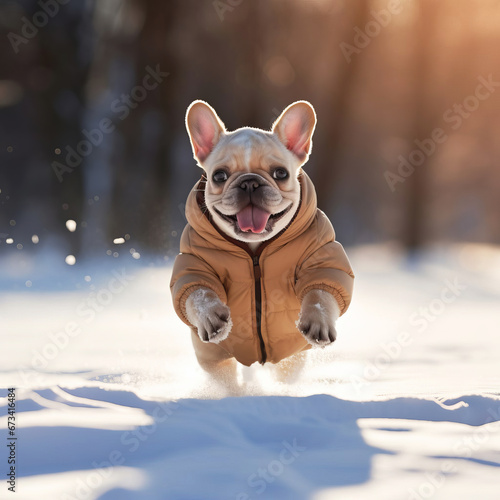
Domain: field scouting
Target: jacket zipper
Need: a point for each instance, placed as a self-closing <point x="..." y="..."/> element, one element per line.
<point x="254" y="257"/>
<point x="258" y="305"/>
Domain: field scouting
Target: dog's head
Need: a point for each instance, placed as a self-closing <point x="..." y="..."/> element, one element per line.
<point x="252" y="191"/>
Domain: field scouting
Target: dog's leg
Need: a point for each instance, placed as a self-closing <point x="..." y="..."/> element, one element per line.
<point x="215" y="361"/>
<point x="288" y="370"/>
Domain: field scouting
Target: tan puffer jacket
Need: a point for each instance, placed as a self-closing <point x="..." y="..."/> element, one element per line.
<point x="263" y="291"/>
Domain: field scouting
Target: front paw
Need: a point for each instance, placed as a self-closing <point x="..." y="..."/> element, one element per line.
<point x="317" y="318"/>
<point x="209" y="315"/>
<point x="318" y="333"/>
<point x="215" y="324"/>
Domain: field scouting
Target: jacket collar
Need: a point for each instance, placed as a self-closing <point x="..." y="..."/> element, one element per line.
<point x="199" y="218"/>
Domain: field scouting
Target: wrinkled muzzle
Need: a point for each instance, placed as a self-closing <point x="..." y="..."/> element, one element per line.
<point x="254" y="199"/>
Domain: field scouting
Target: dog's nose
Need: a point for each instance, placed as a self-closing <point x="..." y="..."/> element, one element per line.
<point x="249" y="185"/>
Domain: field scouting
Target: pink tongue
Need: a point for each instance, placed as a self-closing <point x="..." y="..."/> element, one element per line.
<point x="253" y="218"/>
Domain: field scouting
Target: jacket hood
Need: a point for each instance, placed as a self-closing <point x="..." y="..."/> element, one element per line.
<point x="200" y="220"/>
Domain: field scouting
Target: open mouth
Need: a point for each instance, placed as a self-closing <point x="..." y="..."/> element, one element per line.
<point x="253" y="219"/>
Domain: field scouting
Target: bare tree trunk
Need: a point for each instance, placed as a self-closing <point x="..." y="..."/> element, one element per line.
<point x="153" y="126"/>
<point x="38" y="128"/>
<point x="339" y="108"/>
<point x="414" y="231"/>
<point x="139" y="204"/>
<point x="252" y="56"/>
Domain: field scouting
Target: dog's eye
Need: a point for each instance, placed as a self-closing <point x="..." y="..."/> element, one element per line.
<point x="280" y="174"/>
<point x="220" y="176"/>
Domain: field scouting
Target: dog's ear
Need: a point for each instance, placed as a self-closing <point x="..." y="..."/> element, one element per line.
<point x="204" y="128"/>
<point x="295" y="127"/>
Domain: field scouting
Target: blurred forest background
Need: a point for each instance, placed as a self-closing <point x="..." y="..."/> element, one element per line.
<point x="87" y="135"/>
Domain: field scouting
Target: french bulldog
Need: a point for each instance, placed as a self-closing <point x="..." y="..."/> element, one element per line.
<point x="252" y="194"/>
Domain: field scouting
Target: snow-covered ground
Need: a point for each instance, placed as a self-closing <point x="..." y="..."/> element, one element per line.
<point x="111" y="404"/>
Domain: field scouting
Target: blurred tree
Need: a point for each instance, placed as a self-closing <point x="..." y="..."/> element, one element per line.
<point x="49" y="70"/>
<point x="131" y="83"/>
<point x="426" y="22"/>
<point x="147" y="134"/>
<point x="340" y="99"/>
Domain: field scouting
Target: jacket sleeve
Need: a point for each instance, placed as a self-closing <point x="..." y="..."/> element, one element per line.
<point x="191" y="272"/>
<point x="327" y="268"/>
